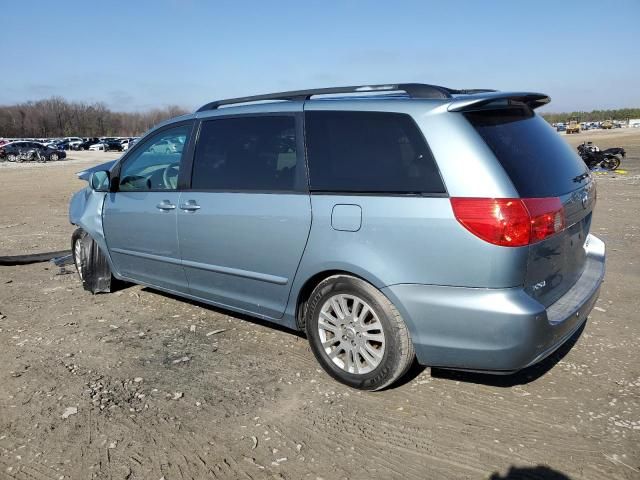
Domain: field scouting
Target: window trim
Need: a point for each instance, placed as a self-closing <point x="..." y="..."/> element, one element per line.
<point x="186" y="152"/>
<point x="313" y="191"/>
<point x="301" y="185"/>
<point x="379" y="194"/>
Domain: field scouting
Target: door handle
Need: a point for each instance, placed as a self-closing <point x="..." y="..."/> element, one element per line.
<point x="165" y="206"/>
<point x="189" y="206"/>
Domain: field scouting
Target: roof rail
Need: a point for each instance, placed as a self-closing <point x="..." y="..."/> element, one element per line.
<point x="414" y="90"/>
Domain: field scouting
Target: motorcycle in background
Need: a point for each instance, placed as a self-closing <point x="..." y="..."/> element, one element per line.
<point x="593" y="157"/>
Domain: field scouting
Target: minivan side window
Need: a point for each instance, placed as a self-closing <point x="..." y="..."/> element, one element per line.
<point x="369" y="152"/>
<point x="155" y="165"/>
<point x="246" y="154"/>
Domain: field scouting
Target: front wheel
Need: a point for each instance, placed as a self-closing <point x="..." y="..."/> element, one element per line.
<point x="91" y="264"/>
<point x="356" y="333"/>
<point x="54" y="157"/>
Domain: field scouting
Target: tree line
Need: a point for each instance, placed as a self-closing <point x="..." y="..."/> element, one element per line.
<point x="620" y="114"/>
<point x="57" y="117"/>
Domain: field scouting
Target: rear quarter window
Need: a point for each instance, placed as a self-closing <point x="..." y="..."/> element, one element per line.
<point x="369" y="152"/>
<point x="538" y="161"/>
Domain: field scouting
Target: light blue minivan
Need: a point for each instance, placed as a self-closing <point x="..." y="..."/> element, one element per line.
<point x="388" y="222"/>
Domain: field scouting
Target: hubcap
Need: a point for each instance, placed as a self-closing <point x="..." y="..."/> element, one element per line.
<point x="351" y="334"/>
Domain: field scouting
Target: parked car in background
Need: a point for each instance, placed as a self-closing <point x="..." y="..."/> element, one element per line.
<point x="29" y="151"/>
<point x="69" y="143"/>
<point x="52" y="142"/>
<point x="132" y="142"/>
<point x="448" y="225"/>
<point x="113" y="144"/>
<point x="66" y="144"/>
<point x="87" y="143"/>
<point x="97" y="146"/>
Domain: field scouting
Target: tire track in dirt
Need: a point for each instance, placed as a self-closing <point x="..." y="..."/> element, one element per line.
<point x="150" y="446"/>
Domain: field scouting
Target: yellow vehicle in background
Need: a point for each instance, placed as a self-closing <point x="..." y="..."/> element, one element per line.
<point x="573" y="126"/>
<point x="607" y="124"/>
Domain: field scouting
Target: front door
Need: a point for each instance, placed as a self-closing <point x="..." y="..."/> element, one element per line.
<point x="139" y="218"/>
<point x="244" y="223"/>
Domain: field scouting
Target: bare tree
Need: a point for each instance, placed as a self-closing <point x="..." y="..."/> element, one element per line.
<point x="57" y="117"/>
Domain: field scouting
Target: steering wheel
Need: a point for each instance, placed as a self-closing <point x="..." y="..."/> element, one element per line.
<point x="170" y="175"/>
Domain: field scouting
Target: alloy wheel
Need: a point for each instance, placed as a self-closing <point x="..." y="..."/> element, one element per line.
<point x="78" y="257"/>
<point x="351" y="334"/>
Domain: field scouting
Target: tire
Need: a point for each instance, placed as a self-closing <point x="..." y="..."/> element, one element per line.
<point x="613" y="162"/>
<point x="93" y="268"/>
<point x="12" y="157"/>
<point x="381" y="350"/>
<point x="79" y="252"/>
<point x="54" y="157"/>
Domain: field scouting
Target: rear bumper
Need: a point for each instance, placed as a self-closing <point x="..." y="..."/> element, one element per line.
<point x="501" y="330"/>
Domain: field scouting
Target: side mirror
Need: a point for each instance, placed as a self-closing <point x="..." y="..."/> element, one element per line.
<point x="99" y="181"/>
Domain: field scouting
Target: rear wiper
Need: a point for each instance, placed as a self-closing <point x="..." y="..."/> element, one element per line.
<point x="579" y="178"/>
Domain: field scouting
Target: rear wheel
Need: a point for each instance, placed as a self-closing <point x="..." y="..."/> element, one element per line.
<point x="357" y="334"/>
<point x="12" y="157"/>
<point x="613" y="162"/>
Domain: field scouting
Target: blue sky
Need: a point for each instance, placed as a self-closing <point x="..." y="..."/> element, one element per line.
<point x="140" y="54"/>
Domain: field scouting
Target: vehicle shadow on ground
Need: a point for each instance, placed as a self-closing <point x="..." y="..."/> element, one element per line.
<point x="239" y="316"/>
<point x="541" y="472"/>
<point x="522" y="377"/>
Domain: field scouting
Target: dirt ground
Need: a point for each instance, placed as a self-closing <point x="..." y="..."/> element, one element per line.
<point x="141" y="385"/>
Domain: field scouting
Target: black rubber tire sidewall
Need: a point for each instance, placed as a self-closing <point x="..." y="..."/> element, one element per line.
<point x="613" y="163"/>
<point x="382" y="375"/>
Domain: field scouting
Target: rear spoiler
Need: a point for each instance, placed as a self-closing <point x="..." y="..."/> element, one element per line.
<point x="472" y="102"/>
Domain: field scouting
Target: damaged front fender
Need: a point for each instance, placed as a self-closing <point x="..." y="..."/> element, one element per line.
<point x="85" y="211"/>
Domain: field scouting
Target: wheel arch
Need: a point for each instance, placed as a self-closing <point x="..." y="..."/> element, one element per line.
<point x="307" y="286"/>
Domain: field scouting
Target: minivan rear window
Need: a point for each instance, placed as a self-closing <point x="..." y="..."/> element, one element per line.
<point x="369" y="152"/>
<point x="538" y="161"/>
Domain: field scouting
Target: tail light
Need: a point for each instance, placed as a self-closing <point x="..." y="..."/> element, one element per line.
<point x="510" y="222"/>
